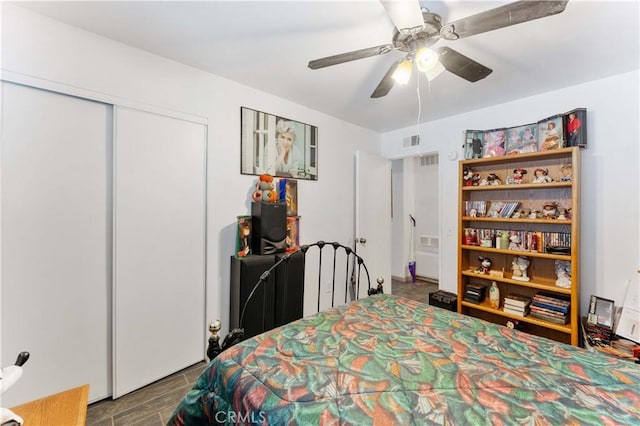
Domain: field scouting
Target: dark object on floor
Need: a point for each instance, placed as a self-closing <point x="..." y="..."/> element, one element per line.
<point x="444" y="299"/>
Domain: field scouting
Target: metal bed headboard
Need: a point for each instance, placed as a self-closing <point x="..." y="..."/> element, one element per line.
<point x="355" y="270"/>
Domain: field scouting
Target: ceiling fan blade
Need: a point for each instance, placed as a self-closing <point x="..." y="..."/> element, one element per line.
<point x="350" y="56"/>
<point x="405" y="14"/>
<point x="461" y="65"/>
<point x="386" y="83"/>
<point x="500" y="17"/>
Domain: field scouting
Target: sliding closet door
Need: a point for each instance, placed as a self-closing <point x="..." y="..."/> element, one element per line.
<point x="56" y="241"/>
<point x="159" y="247"/>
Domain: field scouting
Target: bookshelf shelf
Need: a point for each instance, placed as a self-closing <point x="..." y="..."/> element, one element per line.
<point x="542" y="262"/>
<point x="484" y="306"/>
<point x="540" y="283"/>
<point x="511" y="220"/>
<point x="518" y="186"/>
<point x="518" y="252"/>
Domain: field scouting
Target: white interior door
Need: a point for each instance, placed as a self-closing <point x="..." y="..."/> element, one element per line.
<point x="159" y="247"/>
<point x="373" y="216"/>
<point x="56" y="241"/>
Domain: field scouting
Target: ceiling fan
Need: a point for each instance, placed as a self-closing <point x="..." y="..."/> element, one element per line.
<point x="416" y="30"/>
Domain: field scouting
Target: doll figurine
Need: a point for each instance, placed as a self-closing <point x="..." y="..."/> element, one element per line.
<point x="563" y="272"/>
<point x="514" y="242"/>
<point x="566" y="171"/>
<point x="518" y="174"/>
<point x="519" y="267"/>
<point x="549" y="210"/>
<point x="541" y="175"/>
<point x="467" y="177"/>
<point x="485" y="265"/>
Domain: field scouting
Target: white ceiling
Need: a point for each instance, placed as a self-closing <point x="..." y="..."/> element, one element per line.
<point x="267" y="45"/>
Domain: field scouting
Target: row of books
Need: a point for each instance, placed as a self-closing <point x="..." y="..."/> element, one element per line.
<point x="550" y="307"/>
<point x="475" y="208"/>
<point x="532" y="241"/>
<point x="517" y="304"/>
<point x="502" y="208"/>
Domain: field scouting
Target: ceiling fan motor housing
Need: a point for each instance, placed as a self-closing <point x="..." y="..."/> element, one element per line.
<point x="408" y="41"/>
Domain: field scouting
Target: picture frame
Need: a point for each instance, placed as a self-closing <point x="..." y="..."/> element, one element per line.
<point x="601" y="312"/>
<point x="550" y="133"/>
<point x="493" y="144"/>
<point x="575" y="127"/>
<point x="473" y="144"/>
<point x="276" y="145"/>
<point x="522" y="139"/>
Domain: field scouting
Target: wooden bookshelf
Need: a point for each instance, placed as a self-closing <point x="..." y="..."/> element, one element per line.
<point x="541" y="271"/>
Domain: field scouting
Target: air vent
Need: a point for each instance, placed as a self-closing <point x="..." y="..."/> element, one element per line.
<point x="410" y="141"/>
<point x="429" y="160"/>
<point x="429" y="242"/>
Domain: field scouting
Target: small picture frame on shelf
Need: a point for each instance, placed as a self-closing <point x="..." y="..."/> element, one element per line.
<point x="473" y="144"/>
<point x="575" y="127"/>
<point x="601" y="312"/>
<point x="521" y="139"/>
<point x="494" y="143"/>
<point x="550" y="133"/>
<point x="292" y="238"/>
<point x="243" y="238"/>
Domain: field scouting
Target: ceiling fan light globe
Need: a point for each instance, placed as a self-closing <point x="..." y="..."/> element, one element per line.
<point x="434" y="71"/>
<point x="402" y="73"/>
<point x="426" y="59"/>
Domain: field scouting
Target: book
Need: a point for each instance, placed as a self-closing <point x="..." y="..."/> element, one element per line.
<point x="552" y="298"/>
<point x="517" y="299"/>
<point x="535" y="308"/>
<point x="554" y="320"/>
<point x="553" y="308"/>
<point x="495" y="209"/>
<point x="521" y="312"/>
<point x="515" y="307"/>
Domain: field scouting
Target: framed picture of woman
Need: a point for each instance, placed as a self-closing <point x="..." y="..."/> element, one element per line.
<point x="277" y="146"/>
<point x="550" y="134"/>
<point x="494" y="143"/>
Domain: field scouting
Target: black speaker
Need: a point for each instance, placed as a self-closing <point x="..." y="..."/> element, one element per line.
<point x="289" y="288"/>
<point x="245" y="274"/>
<point x="269" y="222"/>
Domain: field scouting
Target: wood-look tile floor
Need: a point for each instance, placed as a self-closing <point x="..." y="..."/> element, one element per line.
<point x="417" y="291"/>
<point x="154" y="404"/>
<point x="149" y="406"/>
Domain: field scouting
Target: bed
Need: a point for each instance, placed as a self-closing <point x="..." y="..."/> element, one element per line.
<point x="390" y="360"/>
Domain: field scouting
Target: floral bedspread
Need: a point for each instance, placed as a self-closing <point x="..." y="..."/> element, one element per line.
<point x="389" y="360"/>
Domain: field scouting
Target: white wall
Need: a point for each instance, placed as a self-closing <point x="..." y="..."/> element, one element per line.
<point x="36" y="46"/>
<point x="609" y="193"/>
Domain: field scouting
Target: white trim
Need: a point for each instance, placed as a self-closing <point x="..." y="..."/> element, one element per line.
<point x="93" y="95"/>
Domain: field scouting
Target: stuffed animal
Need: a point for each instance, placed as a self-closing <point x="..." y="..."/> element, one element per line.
<point x="518" y="174"/>
<point x="493" y="179"/>
<point x="265" y="189"/>
<point x="475" y="179"/>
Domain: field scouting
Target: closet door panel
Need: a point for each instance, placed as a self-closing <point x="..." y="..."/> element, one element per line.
<point x="159" y="247"/>
<point x="56" y="241"/>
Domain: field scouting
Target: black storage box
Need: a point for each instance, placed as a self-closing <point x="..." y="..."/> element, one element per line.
<point x="444" y="299"/>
